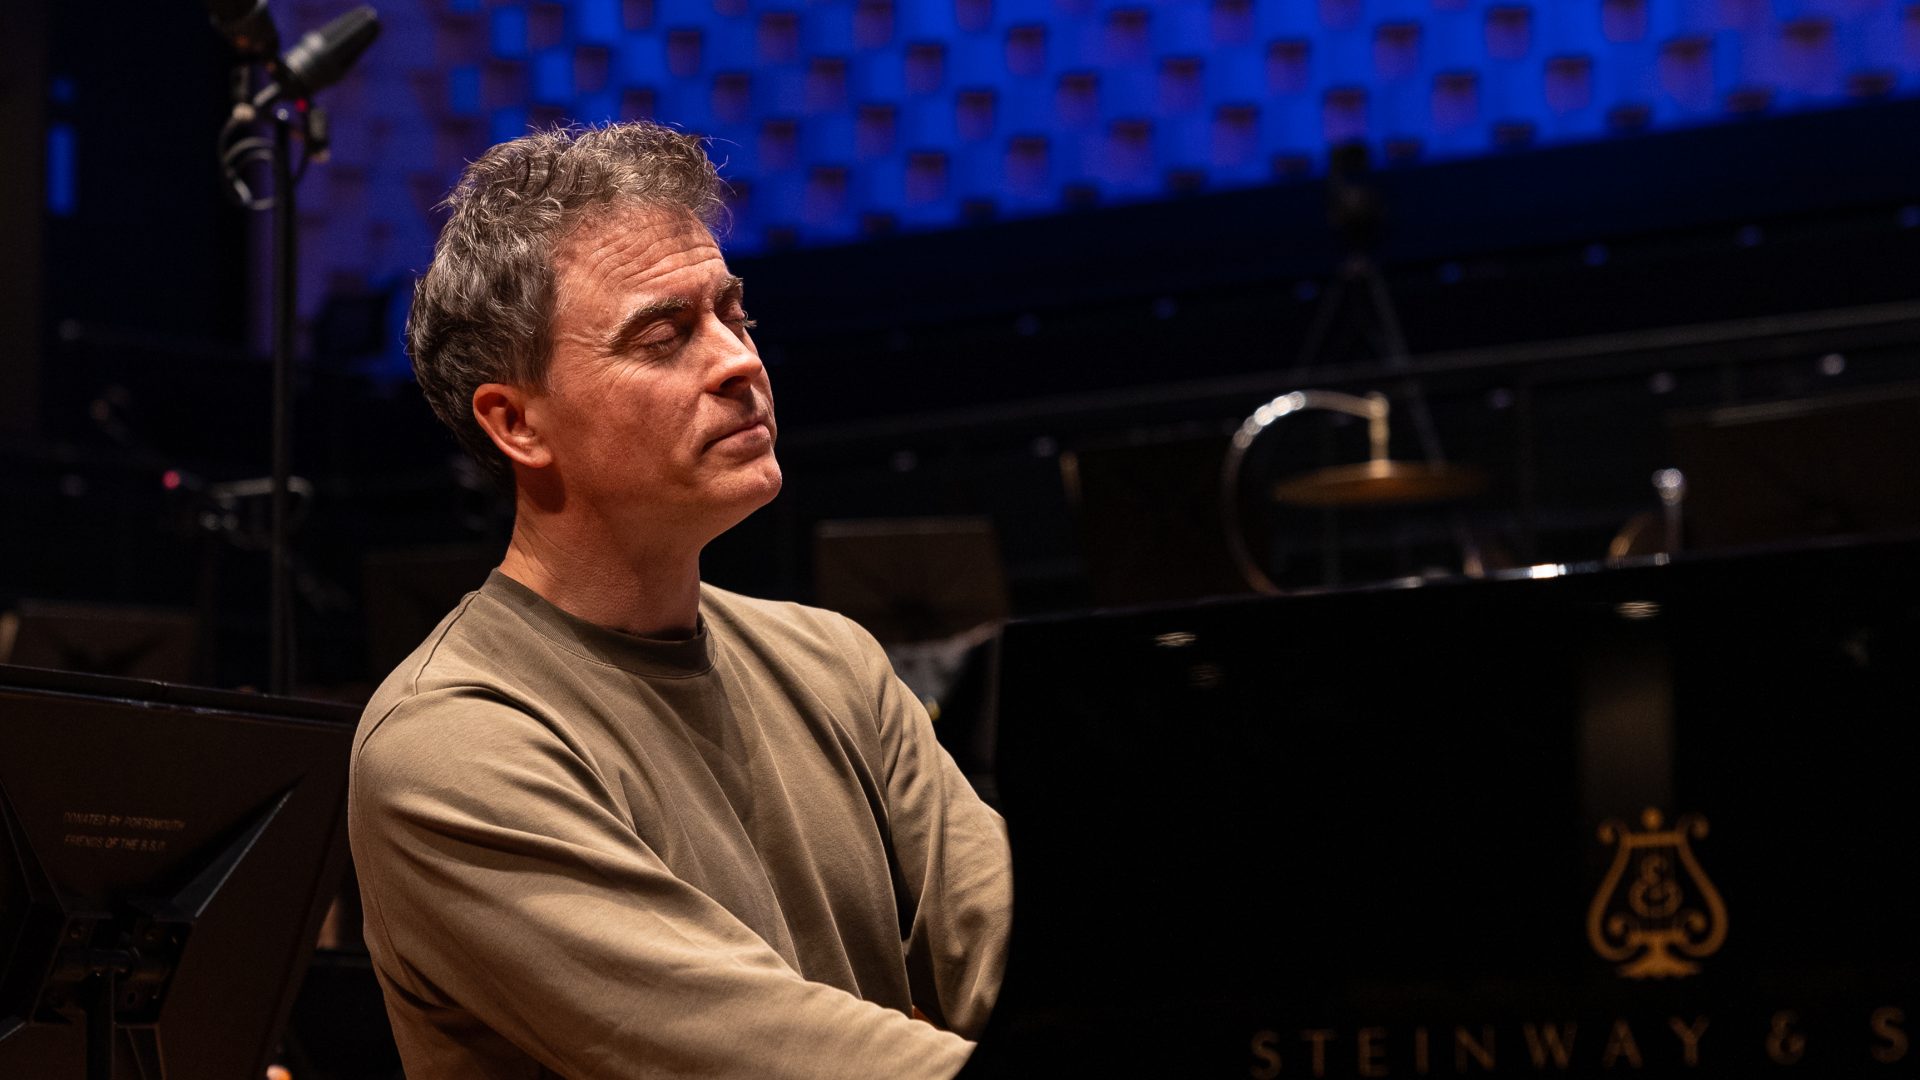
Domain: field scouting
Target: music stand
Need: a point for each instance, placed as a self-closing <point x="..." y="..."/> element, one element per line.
<point x="166" y="856"/>
<point x="1837" y="465"/>
<point x="100" y="639"/>
<point x="1139" y="505"/>
<point x="911" y="579"/>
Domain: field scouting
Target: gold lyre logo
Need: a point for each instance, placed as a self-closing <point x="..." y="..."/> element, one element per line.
<point x="1656" y="912"/>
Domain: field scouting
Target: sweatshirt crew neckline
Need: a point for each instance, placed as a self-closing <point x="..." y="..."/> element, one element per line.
<point x="650" y="657"/>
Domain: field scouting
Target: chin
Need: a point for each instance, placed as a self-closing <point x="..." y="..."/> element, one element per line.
<point x="753" y="490"/>
<point x="771" y="481"/>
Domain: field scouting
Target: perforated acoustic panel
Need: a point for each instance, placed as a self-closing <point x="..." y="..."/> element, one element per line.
<point x="840" y="120"/>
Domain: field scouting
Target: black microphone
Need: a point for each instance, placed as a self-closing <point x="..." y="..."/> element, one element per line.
<point x="248" y="25"/>
<point x="321" y="57"/>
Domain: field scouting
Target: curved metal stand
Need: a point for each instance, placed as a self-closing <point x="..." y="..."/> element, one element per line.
<point x="1371" y="408"/>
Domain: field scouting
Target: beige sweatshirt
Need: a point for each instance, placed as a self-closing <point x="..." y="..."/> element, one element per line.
<point x="589" y="854"/>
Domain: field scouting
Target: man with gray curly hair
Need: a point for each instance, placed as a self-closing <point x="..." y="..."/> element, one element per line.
<point x="610" y="821"/>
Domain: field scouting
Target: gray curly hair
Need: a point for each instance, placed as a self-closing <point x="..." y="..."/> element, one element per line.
<point x="483" y="311"/>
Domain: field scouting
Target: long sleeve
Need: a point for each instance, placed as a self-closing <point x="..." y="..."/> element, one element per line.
<point x="509" y="898"/>
<point x="951" y="856"/>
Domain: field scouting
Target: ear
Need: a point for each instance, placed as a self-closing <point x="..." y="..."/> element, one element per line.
<point x="503" y="411"/>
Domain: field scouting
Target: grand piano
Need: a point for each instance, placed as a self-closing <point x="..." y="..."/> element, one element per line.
<point x="1654" y="820"/>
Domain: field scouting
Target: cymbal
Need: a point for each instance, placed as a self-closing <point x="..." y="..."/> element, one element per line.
<point x="1380" y="483"/>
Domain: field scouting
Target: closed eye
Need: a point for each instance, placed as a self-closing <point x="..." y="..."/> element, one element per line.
<point x="647" y="328"/>
<point x="730" y="298"/>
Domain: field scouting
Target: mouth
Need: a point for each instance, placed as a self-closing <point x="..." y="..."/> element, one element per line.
<point x="755" y="429"/>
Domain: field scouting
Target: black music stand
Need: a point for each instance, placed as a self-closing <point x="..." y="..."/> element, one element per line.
<point x="166" y="856"/>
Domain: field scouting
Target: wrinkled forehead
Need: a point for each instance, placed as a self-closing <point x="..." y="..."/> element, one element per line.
<point x="634" y="261"/>
<point x="601" y="229"/>
<point x="631" y="251"/>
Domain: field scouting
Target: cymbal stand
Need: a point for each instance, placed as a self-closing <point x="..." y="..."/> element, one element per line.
<point x="1372" y="409"/>
<point x="1356" y="214"/>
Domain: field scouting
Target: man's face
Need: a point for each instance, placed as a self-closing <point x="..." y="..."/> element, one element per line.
<point x="656" y="407"/>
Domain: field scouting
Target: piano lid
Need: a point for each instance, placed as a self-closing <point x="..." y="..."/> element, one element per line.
<point x="1579" y="821"/>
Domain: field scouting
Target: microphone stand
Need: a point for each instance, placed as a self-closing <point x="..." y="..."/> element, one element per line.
<point x="318" y="60"/>
<point x="290" y="119"/>
<point x="280" y="593"/>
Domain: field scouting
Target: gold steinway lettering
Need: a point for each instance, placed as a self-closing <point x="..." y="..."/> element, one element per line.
<point x="1317" y="1038"/>
<point x="1266" y="1055"/>
<point x="1621" y="1046"/>
<point x="1785" y="1045"/>
<point x="1886" y="1025"/>
<point x="1689" y="1037"/>
<point x="1464" y="1046"/>
<point x="1550" y="1041"/>
<point x="1373" y="1055"/>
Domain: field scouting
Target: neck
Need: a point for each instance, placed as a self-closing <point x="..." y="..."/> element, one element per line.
<point x="649" y="587"/>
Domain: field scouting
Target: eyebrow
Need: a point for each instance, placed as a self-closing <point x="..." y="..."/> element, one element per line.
<point x="637" y="320"/>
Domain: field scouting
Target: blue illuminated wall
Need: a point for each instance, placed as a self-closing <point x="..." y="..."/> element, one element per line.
<point x="844" y="118"/>
<point x="838" y="120"/>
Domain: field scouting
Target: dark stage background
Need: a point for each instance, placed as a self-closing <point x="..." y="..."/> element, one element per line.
<point x="1020" y="267"/>
<point x="1575" y="296"/>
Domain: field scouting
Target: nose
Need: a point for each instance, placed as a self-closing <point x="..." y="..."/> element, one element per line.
<point x="735" y="367"/>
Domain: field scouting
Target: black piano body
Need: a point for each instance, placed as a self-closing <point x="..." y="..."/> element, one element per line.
<point x="1650" y="820"/>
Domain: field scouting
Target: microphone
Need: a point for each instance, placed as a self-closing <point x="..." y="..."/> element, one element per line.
<point x="321" y="57"/>
<point x="247" y="24"/>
